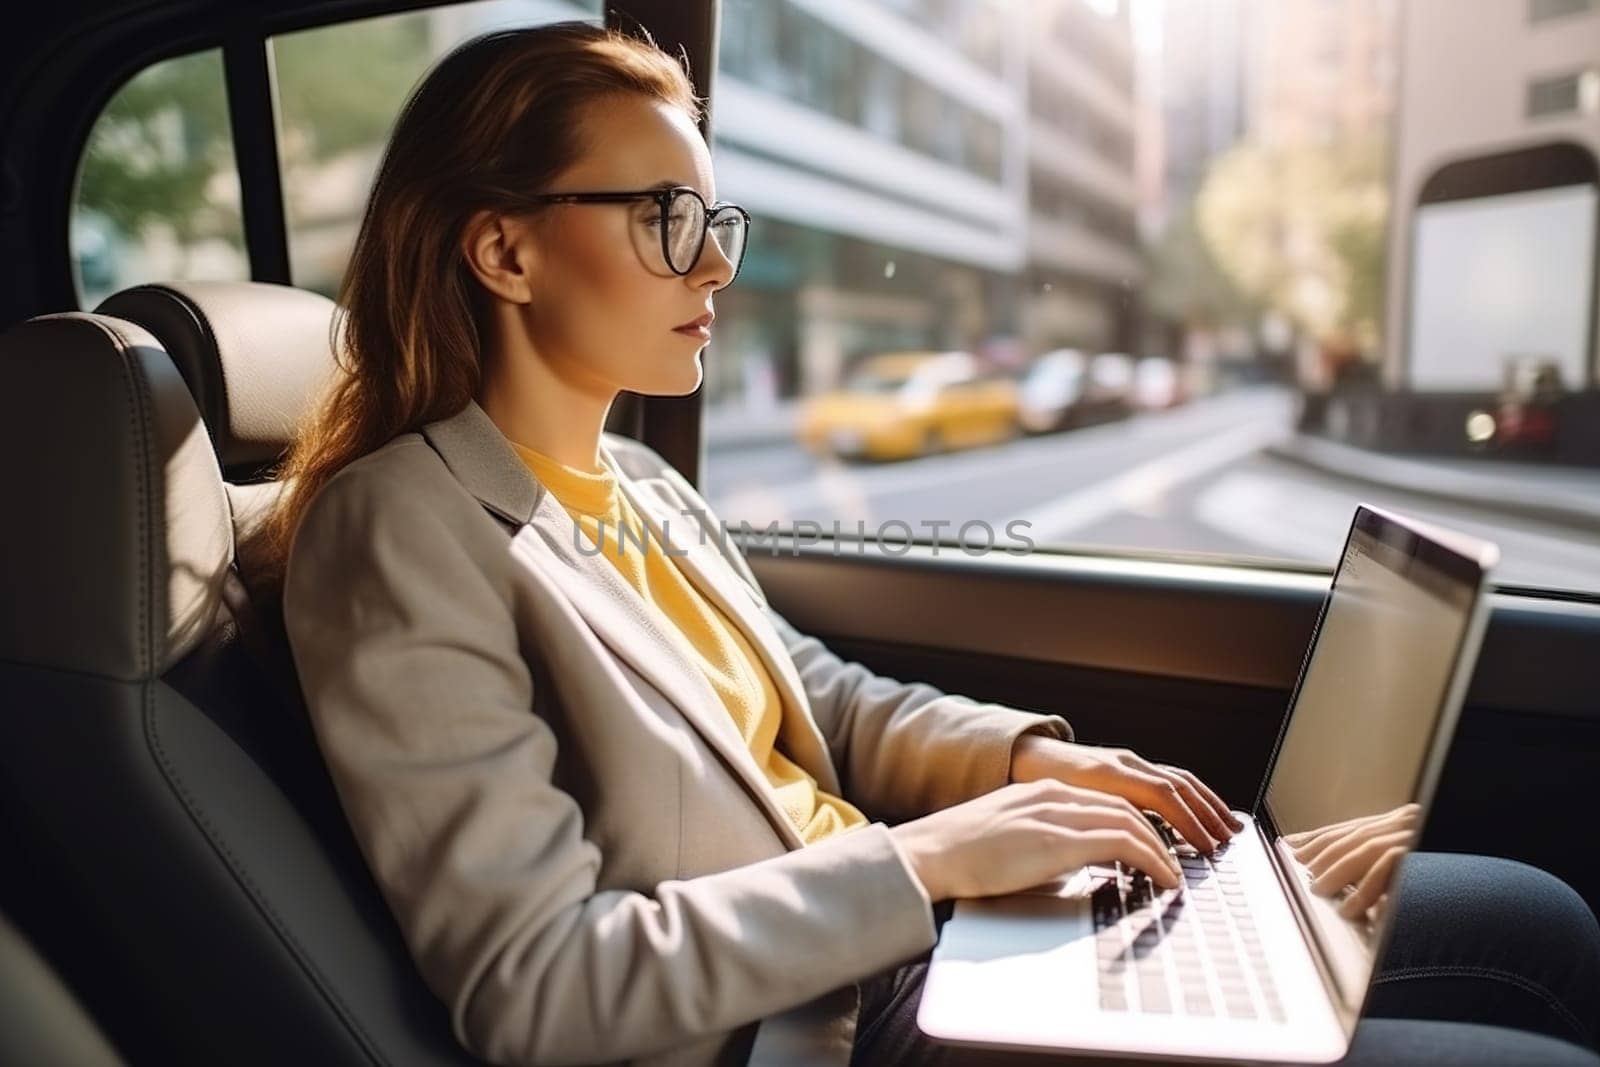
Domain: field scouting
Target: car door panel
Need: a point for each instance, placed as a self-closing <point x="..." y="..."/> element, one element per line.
<point x="1194" y="664"/>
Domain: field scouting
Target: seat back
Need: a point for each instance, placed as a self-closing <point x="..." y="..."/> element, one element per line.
<point x="206" y="897"/>
<point x="40" y="1020"/>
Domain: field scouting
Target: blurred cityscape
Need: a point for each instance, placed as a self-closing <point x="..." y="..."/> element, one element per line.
<point x="1366" y="225"/>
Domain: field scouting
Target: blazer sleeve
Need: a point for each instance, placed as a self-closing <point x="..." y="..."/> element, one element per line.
<point x="902" y="749"/>
<point x="427" y="716"/>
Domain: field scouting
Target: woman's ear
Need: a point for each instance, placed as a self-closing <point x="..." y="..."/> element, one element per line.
<point x="501" y="253"/>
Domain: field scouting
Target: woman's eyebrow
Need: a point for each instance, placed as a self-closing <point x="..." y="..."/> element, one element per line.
<point x="669" y="183"/>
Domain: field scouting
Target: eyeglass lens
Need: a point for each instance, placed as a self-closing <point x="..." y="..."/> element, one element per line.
<point x="686" y="214"/>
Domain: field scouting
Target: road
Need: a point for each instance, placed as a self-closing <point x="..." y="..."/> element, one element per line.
<point x="1197" y="479"/>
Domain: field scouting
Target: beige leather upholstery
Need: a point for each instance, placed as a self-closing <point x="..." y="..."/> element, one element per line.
<point x="174" y="807"/>
<point x="40" y="1020"/>
<point x="254" y="356"/>
<point x="122" y="538"/>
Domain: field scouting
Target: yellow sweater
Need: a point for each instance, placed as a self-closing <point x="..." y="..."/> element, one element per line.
<point x="734" y="669"/>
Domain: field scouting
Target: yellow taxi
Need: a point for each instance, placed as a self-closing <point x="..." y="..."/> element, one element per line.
<point x="899" y="405"/>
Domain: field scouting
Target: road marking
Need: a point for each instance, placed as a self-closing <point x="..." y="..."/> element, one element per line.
<point x="843" y="490"/>
<point x="1292" y="516"/>
<point x="1142" y="488"/>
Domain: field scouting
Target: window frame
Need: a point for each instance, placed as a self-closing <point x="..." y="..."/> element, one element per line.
<point x="110" y="59"/>
<point x="73" y="76"/>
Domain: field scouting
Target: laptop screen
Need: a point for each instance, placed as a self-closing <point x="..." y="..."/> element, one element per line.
<point x="1348" y="788"/>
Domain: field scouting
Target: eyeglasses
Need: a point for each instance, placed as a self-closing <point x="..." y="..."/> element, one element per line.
<point x="684" y="222"/>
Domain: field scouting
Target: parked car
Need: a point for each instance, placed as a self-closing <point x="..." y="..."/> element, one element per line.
<point x="1108" y="389"/>
<point x="1157" y="384"/>
<point x="905" y="404"/>
<point x="96" y="250"/>
<point x="1051" y="391"/>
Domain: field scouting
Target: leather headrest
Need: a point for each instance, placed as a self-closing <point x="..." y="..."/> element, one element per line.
<point x="255" y="356"/>
<point x="118" y="536"/>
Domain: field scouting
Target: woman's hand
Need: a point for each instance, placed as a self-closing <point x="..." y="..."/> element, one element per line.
<point x="1362" y="852"/>
<point x="1187" y="803"/>
<point x="1022" y="835"/>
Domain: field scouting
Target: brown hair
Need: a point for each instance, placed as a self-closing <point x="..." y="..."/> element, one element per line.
<point x="494" y="121"/>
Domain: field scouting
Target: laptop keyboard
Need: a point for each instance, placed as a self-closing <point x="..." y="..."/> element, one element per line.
<point x="1191" y="951"/>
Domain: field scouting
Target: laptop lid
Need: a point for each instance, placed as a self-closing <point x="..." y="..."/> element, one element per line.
<point x="1367" y="730"/>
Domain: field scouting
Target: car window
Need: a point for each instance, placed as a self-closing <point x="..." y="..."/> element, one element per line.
<point x="875" y="383"/>
<point x="339" y="91"/>
<point x="1287" y="299"/>
<point x="157" y="194"/>
<point x="1344" y="306"/>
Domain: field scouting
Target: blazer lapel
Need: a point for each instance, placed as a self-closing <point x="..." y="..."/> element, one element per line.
<point x="701" y="560"/>
<point x="553" y="545"/>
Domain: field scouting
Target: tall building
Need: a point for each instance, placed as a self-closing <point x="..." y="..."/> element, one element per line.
<point x="1516" y="75"/>
<point x="1202" y="99"/>
<point x="923" y="174"/>
<point x="1268" y="73"/>
<point x="879" y="146"/>
<point x="1274" y="72"/>
<point x="1084" y="267"/>
<point x="1324" y="72"/>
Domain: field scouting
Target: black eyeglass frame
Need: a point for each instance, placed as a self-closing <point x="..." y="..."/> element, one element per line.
<point x="663" y="197"/>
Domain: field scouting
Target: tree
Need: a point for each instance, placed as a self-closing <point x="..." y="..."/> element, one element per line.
<point x="340" y="87"/>
<point x="1301" y="230"/>
<point x="1186" y="283"/>
<point x="157" y="147"/>
<point x="156" y="153"/>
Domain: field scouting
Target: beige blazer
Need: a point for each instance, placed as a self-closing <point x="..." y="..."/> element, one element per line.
<point x="585" y="861"/>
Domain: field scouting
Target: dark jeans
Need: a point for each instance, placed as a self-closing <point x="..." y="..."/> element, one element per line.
<point x="1491" y="962"/>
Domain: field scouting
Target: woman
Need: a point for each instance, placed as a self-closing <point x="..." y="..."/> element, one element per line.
<point x="621" y="809"/>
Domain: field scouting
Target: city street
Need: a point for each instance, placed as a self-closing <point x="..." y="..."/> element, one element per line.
<point x="1201" y="478"/>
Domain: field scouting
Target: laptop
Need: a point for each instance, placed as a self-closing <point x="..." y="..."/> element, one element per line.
<point x="1245" y="962"/>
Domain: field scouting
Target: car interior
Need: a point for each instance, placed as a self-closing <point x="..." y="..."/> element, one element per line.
<point x="180" y="884"/>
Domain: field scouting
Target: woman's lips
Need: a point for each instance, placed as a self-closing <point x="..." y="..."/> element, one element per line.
<point x="702" y="332"/>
